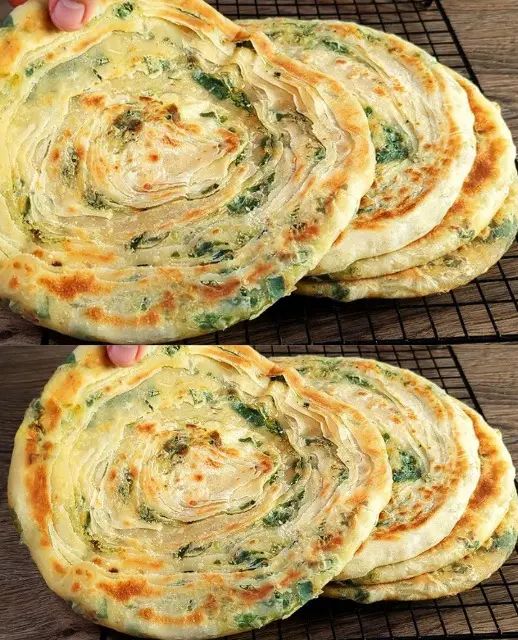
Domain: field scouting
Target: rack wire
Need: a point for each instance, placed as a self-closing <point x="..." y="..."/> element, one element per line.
<point x="487" y="612"/>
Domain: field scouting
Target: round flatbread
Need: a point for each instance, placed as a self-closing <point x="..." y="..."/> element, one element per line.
<point x="486" y="509"/>
<point x="444" y="274"/>
<point x="200" y="492"/>
<point x="432" y="449"/>
<point x="420" y="121"/>
<point x="448" y="581"/>
<point x="160" y="194"/>
<point x="482" y="194"/>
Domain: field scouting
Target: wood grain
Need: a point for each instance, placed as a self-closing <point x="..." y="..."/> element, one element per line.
<point x="30" y="611"/>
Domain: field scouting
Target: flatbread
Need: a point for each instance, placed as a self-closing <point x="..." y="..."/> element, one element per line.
<point x="157" y="195"/>
<point x="200" y="492"/>
<point x="420" y="120"/>
<point x="482" y="194"/>
<point x="444" y="274"/>
<point x="448" y="581"/>
<point x="486" y="509"/>
<point x="432" y="449"/>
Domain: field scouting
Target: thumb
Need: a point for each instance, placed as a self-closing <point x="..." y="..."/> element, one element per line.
<point x="125" y="355"/>
<point x="70" y="15"/>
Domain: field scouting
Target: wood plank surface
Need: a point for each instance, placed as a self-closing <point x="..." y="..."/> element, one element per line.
<point x="492" y="371"/>
<point x="30" y="611"/>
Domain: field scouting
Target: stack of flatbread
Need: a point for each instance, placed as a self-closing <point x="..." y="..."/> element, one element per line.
<point x="207" y="490"/>
<point x="165" y="172"/>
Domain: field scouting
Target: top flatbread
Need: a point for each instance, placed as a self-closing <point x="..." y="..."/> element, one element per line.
<point x="421" y="124"/>
<point x="163" y="174"/>
<point x="199" y="492"/>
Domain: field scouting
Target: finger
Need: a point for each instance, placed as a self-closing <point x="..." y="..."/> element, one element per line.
<point x="70" y="15"/>
<point x="123" y="356"/>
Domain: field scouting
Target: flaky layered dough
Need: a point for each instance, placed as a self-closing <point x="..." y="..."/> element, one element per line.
<point x="420" y="121"/>
<point x="486" y="508"/>
<point x="439" y="276"/>
<point x="432" y="449"/>
<point x="482" y="194"/>
<point x="447" y="581"/>
<point x="197" y="493"/>
<point x="163" y="173"/>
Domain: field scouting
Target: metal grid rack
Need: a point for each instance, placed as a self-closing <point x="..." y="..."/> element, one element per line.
<point x="484" y="310"/>
<point x="487" y="612"/>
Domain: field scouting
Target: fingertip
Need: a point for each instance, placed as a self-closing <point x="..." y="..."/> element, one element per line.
<point x="123" y="355"/>
<point x="68" y="15"/>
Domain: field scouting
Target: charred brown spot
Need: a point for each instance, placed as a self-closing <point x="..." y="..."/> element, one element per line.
<point x="127" y="589"/>
<point x="69" y="287"/>
<point x="52" y="415"/>
<point x="220" y="291"/>
<point x="173" y="113"/>
<point x="215" y="438"/>
<point x="154" y="157"/>
<point x="255" y="594"/>
<point x="93" y="100"/>
<point x="14" y="283"/>
<point x="37" y="489"/>
<point x="193" y="618"/>
<point x="58" y="568"/>
<point x="76" y="587"/>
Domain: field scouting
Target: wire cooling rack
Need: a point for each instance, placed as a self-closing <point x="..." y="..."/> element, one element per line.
<point x="487" y="612"/>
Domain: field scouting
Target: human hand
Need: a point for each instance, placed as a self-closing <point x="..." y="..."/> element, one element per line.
<point x="125" y="356"/>
<point x="67" y="15"/>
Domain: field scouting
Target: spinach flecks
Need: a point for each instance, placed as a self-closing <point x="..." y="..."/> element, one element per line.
<point x="256" y="417"/>
<point x="284" y="512"/>
<point x="394" y="147"/>
<point x="172" y="349"/>
<point x="129" y="123"/>
<point x="70" y="164"/>
<point x="30" y="69"/>
<point x="125" y="484"/>
<point x="304" y="590"/>
<point x="213" y="85"/>
<point x="276" y="287"/>
<point x="147" y="514"/>
<point x="95" y="200"/>
<point x="222" y="89"/>
<point x="215" y="251"/>
<point x="249" y="621"/>
<point x="409" y="469"/>
<point x="251" y="198"/>
<point x="70" y="359"/>
<point x="146" y="240"/>
<point x="210" y="321"/>
<point x="123" y="10"/>
<point x="336" y="47"/>
<point x="252" y="559"/>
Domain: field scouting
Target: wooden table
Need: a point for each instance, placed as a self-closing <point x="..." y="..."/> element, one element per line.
<point x="25" y="599"/>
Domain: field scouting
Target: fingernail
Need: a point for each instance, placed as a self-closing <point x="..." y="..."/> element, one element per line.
<point x="68" y="15"/>
<point x="123" y="356"/>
